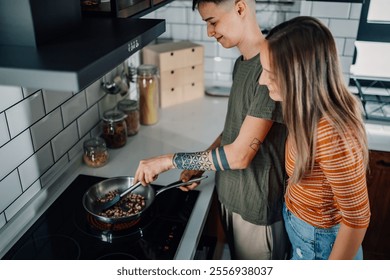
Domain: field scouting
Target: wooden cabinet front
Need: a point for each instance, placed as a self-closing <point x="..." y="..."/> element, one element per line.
<point x="376" y="243"/>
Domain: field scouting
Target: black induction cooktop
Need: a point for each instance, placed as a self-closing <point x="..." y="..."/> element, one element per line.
<point x="67" y="232"/>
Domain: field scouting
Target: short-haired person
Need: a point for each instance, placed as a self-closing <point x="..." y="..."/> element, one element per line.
<point x="249" y="154"/>
<point x="326" y="202"/>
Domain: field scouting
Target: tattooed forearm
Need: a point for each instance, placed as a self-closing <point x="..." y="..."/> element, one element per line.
<point x="192" y="161"/>
<point x="255" y="145"/>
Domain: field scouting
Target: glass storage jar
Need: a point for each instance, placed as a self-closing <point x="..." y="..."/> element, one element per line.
<point x="148" y="90"/>
<point x="130" y="108"/>
<point x="95" y="152"/>
<point x="114" y="128"/>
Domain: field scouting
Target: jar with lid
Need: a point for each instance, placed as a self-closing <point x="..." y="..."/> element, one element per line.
<point x="130" y="108"/>
<point x="148" y="89"/>
<point x="114" y="128"/>
<point x="95" y="152"/>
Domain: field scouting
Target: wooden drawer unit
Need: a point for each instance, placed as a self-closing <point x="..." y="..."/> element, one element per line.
<point x="376" y="243"/>
<point x="181" y="70"/>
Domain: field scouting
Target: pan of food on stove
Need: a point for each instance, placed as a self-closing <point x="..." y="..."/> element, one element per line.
<point x="130" y="206"/>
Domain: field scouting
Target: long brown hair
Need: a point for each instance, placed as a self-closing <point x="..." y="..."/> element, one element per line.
<point x="305" y="63"/>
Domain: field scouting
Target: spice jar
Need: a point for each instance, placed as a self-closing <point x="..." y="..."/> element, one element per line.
<point x="95" y="152"/>
<point x="114" y="128"/>
<point x="148" y="89"/>
<point x="130" y="108"/>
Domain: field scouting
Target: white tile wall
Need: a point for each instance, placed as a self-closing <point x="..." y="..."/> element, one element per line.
<point x="10" y="190"/>
<point x="14" y="153"/>
<point x="41" y="134"/>
<point x="35" y="166"/>
<point x="25" y="113"/>
<point x="73" y="108"/>
<point x="342" y="18"/>
<point x="46" y="128"/>
<point x="4" y="134"/>
<point x="9" y="96"/>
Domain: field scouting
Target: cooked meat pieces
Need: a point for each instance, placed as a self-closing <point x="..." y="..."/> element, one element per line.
<point x="129" y="205"/>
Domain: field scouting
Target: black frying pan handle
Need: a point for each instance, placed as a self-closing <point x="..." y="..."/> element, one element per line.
<point x="180" y="183"/>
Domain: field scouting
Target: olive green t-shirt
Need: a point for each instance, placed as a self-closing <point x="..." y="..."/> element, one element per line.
<point x="256" y="193"/>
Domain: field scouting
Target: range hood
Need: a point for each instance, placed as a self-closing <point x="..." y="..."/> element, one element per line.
<point x="54" y="47"/>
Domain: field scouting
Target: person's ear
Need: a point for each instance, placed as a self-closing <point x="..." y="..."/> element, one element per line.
<point x="240" y="6"/>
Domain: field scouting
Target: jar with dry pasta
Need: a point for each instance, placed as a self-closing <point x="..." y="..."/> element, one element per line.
<point x="148" y="89"/>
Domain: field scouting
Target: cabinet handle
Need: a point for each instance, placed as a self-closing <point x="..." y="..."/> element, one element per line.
<point x="383" y="163"/>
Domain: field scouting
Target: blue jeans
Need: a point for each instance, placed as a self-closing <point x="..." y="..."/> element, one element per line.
<point x="309" y="242"/>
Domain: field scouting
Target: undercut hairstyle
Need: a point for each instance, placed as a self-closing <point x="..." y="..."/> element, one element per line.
<point x="305" y="63"/>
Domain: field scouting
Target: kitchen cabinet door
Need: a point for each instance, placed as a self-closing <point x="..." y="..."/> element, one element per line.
<point x="376" y="243"/>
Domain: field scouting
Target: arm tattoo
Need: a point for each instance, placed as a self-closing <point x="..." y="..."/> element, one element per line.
<point x="192" y="161"/>
<point x="224" y="161"/>
<point x="255" y="145"/>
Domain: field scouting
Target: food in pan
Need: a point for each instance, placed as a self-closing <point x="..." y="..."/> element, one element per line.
<point x="129" y="205"/>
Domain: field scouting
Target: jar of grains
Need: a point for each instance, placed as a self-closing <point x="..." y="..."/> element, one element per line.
<point x="130" y="108"/>
<point x="95" y="152"/>
<point x="114" y="128"/>
<point x="148" y="90"/>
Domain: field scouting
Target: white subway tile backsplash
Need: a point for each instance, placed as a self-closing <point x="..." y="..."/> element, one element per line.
<point x="218" y="65"/>
<point x="232" y="53"/>
<point x="346" y="62"/>
<point x="195" y="33"/>
<point x="25" y="113"/>
<point x="46" y="128"/>
<point x="330" y="9"/>
<point x="15" y="152"/>
<point x="54" y="171"/>
<point x="73" y="108"/>
<point x="2" y="220"/>
<point x="356" y="9"/>
<point x="4" y="134"/>
<point x="349" y="48"/>
<point x="210" y="49"/>
<point x="94" y="93"/>
<point x="344" y="27"/>
<point x="88" y="120"/>
<point x="28" y="91"/>
<point x="22" y="200"/>
<point x="180" y="31"/>
<point x="35" y="166"/>
<point x="77" y="149"/>
<point x="9" y="96"/>
<point x="64" y="141"/>
<point x="340" y="42"/>
<point x="53" y="99"/>
<point x="10" y="189"/>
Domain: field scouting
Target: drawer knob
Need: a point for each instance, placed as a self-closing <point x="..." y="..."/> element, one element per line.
<point x="172" y="53"/>
<point x="193" y="50"/>
<point x="172" y="72"/>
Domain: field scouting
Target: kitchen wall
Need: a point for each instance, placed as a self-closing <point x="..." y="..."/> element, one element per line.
<point x="41" y="132"/>
<point x="185" y="24"/>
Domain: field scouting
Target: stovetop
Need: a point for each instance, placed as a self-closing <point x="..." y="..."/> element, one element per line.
<point x="66" y="231"/>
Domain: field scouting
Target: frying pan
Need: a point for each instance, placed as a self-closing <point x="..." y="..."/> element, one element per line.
<point x="99" y="190"/>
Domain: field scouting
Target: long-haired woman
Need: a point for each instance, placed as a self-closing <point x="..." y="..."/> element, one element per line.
<point x="326" y="209"/>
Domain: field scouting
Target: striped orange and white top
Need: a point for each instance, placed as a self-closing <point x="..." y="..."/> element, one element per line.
<point x="336" y="190"/>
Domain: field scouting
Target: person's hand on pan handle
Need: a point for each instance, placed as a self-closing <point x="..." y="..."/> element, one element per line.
<point x="149" y="169"/>
<point x="188" y="175"/>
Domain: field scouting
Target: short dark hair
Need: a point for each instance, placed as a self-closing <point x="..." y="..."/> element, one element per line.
<point x="195" y="3"/>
